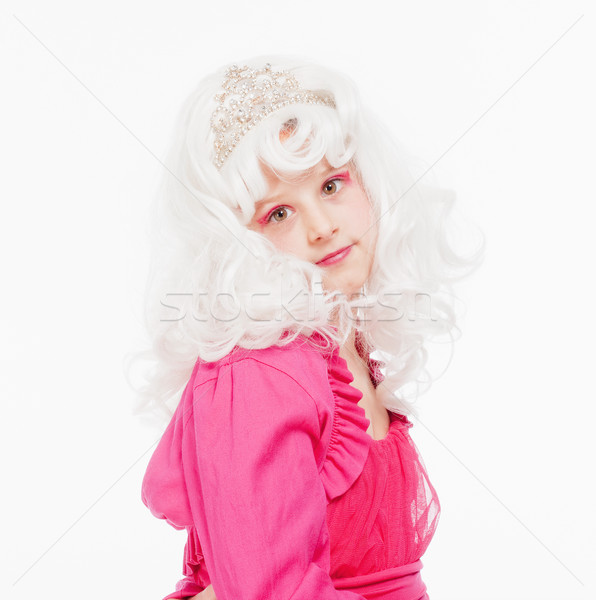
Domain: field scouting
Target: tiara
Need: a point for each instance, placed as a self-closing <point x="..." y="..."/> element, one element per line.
<point x="249" y="95"/>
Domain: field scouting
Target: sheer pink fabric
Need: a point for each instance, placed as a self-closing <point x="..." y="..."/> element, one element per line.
<point x="400" y="518"/>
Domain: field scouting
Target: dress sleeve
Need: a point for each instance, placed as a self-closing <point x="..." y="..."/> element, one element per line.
<point x="254" y="486"/>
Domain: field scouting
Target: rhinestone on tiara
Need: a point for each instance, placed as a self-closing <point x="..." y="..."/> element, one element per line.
<point x="250" y="95"/>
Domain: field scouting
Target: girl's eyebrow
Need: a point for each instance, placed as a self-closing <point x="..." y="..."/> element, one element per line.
<point x="279" y="197"/>
<point x="267" y="200"/>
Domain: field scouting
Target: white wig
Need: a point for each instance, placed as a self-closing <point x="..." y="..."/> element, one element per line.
<point x="215" y="284"/>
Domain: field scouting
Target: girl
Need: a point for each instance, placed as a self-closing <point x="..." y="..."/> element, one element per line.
<point x="292" y="245"/>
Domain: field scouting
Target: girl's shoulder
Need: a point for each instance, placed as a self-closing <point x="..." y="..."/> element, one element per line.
<point x="300" y="361"/>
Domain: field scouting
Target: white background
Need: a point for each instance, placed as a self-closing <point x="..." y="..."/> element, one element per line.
<point x="89" y="94"/>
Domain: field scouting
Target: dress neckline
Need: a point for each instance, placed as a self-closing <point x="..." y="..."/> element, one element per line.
<point x="331" y="352"/>
<point x="396" y="421"/>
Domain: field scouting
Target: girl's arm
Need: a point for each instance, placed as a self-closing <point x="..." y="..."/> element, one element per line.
<point x="260" y="506"/>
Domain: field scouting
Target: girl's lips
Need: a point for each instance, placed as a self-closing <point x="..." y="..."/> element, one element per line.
<point x="335" y="257"/>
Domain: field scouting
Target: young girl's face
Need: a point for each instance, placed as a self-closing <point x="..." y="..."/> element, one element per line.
<point x="322" y="216"/>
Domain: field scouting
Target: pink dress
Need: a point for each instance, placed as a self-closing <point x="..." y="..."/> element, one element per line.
<point x="267" y="465"/>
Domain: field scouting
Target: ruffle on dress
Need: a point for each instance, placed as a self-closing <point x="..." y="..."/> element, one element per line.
<point x="196" y="578"/>
<point x="349" y="443"/>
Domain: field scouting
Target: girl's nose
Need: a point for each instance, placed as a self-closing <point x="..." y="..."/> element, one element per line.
<point x="321" y="225"/>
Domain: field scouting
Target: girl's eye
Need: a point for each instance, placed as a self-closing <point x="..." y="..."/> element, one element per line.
<point x="332" y="186"/>
<point x="281" y="213"/>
